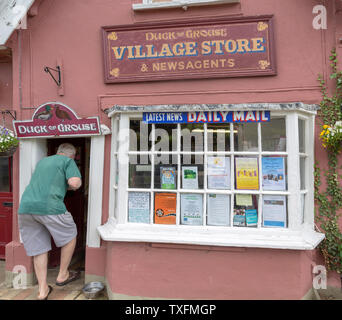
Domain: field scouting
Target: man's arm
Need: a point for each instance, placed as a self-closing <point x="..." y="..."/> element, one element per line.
<point x="74" y="183"/>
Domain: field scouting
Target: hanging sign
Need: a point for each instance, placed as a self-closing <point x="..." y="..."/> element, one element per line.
<point x="213" y="48"/>
<point x="206" y="117"/>
<point x="56" y="119"/>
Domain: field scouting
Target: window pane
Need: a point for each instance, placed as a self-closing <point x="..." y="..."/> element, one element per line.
<point x="218" y="137"/>
<point x="192" y="137"/>
<point x="245" y="210"/>
<point x="165" y="171"/>
<point x="139" y="207"/>
<point x="246" y="136"/>
<point x="246" y="173"/>
<point x="139" y="136"/>
<point x="4" y="175"/>
<point x="190" y="165"/>
<point x="302" y="173"/>
<point x="274" y="173"/>
<point x="274" y="211"/>
<point x="165" y="137"/>
<point x="273" y="135"/>
<point x="192" y="209"/>
<point x="301" y="133"/>
<point x="139" y="171"/>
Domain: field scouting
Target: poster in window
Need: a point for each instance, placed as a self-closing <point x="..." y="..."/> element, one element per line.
<point x="218" y="173"/>
<point x="218" y="209"/>
<point x="274" y="211"/>
<point x="239" y="219"/>
<point x="273" y="173"/>
<point x="192" y="209"/>
<point x="251" y="217"/>
<point x="139" y="207"/>
<point x="247" y="173"/>
<point x="189" y="178"/>
<point x="165" y="206"/>
<point x="168" y="177"/>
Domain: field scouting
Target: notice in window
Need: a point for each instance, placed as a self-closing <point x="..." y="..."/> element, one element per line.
<point x="168" y="177"/>
<point x="273" y="173"/>
<point x="139" y="207"/>
<point x="251" y="217"/>
<point x="218" y="209"/>
<point x="239" y="219"/>
<point x="274" y="211"/>
<point x="165" y="206"/>
<point x="189" y="178"/>
<point x="218" y="173"/>
<point x="246" y="173"/>
<point x="192" y="209"/>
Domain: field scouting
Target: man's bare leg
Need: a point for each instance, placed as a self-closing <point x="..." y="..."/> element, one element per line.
<point x="40" y="266"/>
<point x="66" y="254"/>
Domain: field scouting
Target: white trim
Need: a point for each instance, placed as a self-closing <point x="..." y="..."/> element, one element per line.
<point x="213" y="236"/>
<point x="178" y="4"/>
<point x="96" y="166"/>
<point x="295" y="236"/>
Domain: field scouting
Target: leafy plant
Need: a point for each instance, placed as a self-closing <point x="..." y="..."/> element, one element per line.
<point x="7" y="140"/>
<point x="330" y="200"/>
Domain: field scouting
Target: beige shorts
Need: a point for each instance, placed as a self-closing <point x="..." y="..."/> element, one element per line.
<point x="36" y="231"/>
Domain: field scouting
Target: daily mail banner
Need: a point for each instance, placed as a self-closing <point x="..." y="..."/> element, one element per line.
<point x="206" y="117"/>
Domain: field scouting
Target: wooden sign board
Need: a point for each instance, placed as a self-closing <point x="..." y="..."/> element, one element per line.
<point x="217" y="48"/>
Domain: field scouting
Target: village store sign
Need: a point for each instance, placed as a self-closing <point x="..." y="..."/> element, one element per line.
<point x="206" y="117"/>
<point x="56" y="119"/>
<point x="185" y="50"/>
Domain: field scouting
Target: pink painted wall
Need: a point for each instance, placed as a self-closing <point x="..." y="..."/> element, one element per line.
<point x="70" y="32"/>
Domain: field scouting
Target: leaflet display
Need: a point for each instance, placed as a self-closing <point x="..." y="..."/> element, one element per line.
<point x="139" y="207"/>
<point x="218" y="173"/>
<point x="273" y="173"/>
<point x="218" y="209"/>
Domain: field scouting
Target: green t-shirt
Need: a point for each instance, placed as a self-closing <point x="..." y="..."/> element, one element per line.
<point x="48" y="186"/>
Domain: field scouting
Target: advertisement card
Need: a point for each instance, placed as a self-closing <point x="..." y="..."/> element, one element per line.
<point x="274" y="211"/>
<point x="273" y="173"/>
<point x="247" y="173"/>
<point x="168" y="177"/>
<point x="218" y="209"/>
<point x="165" y="206"/>
<point x="139" y="207"/>
<point x="251" y="217"/>
<point x="192" y="209"/>
<point x="218" y="173"/>
<point x="189" y="178"/>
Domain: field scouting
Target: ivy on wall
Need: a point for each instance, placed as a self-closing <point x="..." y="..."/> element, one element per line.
<point x="329" y="201"/>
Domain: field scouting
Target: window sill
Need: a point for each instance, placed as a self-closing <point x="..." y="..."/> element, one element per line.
<point x="179" y="4"/>
<point x="212" y="236"/>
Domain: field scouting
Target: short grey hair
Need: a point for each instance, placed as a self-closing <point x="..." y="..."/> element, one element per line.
<point x="67" y="148"/>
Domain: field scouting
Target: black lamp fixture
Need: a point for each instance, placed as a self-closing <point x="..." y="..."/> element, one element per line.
<point x="58" y="70"/>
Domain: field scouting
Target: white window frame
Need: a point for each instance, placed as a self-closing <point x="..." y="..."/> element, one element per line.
<point x="298" y="235"/>
<point x="149" y="4"/>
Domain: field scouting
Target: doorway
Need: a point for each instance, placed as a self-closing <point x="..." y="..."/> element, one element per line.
<point x="76" y="202"/>
<point x="6" y="203"/>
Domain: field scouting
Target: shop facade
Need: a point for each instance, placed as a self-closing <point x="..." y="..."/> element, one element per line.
<point x="198" y="180"/>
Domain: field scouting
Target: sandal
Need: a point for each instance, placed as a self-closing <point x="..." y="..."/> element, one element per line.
<point x="73" y="275"/>
<point x="50" y="290"/>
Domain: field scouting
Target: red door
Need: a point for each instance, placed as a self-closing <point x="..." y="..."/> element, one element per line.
<point x="6" y="203"/>
<point x="75" y="201"/>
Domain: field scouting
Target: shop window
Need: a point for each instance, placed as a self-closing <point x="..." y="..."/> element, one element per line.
<point x="210" y="181"/>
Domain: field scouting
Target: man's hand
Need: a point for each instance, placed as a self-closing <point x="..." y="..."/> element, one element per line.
<point x="74" y="183"/>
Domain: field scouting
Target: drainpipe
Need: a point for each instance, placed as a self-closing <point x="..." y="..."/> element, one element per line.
<point x="20" y="69"/>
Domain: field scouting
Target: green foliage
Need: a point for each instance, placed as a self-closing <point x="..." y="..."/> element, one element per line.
<point x="7" y="140"/>
<point x="330" y="200"/>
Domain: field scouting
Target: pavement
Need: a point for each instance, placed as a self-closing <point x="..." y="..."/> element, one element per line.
<point x="72" y="291"/>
